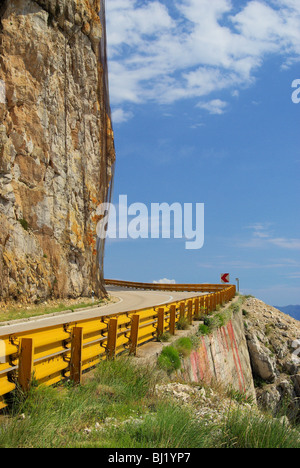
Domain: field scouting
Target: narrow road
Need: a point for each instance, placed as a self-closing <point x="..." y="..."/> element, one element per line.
<point x="129" y="300"/>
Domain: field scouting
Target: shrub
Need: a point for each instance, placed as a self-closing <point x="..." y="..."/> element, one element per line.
<point x="163" y="337"/>
<point x="169" y="359"/>
<point x="183" y="324"/>
<point x="184" y="346"/>
<point x="24" y="224"/>
<point x="203" y="329"/>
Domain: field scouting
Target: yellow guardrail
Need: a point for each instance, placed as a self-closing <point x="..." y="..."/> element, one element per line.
<point x="166" y="287"/>
<point x="51" y="354"/>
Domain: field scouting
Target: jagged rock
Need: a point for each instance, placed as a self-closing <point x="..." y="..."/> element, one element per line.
<point x="274" y="346"/>
<point x="54" y="165"/>
<point x="263" y="363"/>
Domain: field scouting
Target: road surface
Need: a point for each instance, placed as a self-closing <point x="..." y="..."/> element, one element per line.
<point x="129" y="300"/>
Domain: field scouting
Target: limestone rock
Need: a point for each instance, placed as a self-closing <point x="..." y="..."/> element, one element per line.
<point x="274" y="346"/>
<point x="263" y="363"/>
<point x="56" y="151"/>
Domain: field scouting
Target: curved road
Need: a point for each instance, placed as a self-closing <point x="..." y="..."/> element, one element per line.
<point x="129" y="300"/>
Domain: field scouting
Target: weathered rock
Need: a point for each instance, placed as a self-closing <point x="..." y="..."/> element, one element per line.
<point x="56" y="148"/>
<point x="273" y="345"/>
<point x="262" y="361"/>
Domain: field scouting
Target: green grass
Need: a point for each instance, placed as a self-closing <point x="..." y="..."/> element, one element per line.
<point x="184" y="346"/>
<point x="169" y="359"/>
<point x="24" y="224"/>
<point x="220" y="317"/>
<point x="182" y="324"/>
<point x="15" y="313"/>
<point x="117" y="407"/>
<point x="253" y="430"/>
<point x="203" y="329"/>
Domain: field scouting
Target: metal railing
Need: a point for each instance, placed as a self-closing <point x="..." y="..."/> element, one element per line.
<point x="54" y="353"/>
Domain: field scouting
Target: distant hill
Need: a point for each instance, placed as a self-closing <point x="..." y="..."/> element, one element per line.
<point x="292" y="310"/>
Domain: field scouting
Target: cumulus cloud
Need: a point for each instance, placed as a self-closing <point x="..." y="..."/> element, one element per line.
<point x="216" y="106"/>
<point x="164" y="281"/>
<point x="120" y="116"/>
<point x="165" y="51"/>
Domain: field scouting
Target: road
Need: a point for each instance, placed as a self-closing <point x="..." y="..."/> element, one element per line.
<point x="129" y="300"/>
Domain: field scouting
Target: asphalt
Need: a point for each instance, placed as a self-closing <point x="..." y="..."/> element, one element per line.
<point x="128" y="300"/>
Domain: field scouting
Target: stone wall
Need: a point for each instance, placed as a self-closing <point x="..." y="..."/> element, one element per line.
<point x="56" y="148"/>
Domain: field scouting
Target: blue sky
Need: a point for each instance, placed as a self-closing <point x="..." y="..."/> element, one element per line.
<point x="201" y="97"/>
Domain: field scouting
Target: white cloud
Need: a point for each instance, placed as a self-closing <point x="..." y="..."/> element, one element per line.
<point x="285" y="243"/>
<point x="164" y="281"/>
<point x="120" y="116"/>
<point x="263" y="237"/>
<point x="216" y="106"/>
<point x="192" y="48"/>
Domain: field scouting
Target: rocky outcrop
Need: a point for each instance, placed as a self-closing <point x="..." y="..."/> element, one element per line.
<point x="222" y="357"/>
<point x="56" y="147"/>
<point x="273" y="340"/>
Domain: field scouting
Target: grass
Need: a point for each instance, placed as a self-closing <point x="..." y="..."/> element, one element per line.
<point x="253" y="430"/>
<point x="24" y="224"/>
<point x="184" y="346"/>
<point x="220" y="317"/>
<point x="117" y="407"/>
<point x="169" y="359"/>
<point x="183" y="324"/>
<point x="15" y="313"/>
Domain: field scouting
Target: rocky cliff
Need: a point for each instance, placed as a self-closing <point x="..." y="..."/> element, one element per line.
<point x="273" y="340"/>
<point x="256" y="353"/>
<point x="56" y="147"/>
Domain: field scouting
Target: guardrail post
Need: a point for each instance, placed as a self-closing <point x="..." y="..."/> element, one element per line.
<point x="196" y="312"/>
<point x="160" y="322"/>
<point x="172" y="319"/>
<point x="202" y="305"/>
<point x="134" y="333"/>
<point x="25" y="363"/>
<point x="76" y="355"/>
<point x="207" y="310"/>
<point x="112" y="338"/>
<point x="215" y="301"/>
<point x="182" y="309"/>
<point x="190" y="312"/>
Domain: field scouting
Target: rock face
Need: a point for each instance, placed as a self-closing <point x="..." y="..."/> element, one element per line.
<point x="56" y="147"/>
<point x="273" y="340"/>
<point x="222" y="358"/>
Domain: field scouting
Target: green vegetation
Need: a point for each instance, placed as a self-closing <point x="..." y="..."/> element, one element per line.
<point x="117" y="407"/>
<point x="184" y="346"/>
<point x="163" y="337"/>
<point x="203" y="329"/>
<point x="253" y="430"/>
<point x="169" y="359"/>
<point x="24" y="224"/>
<point x="212" y="322"/>
<point x="183" y="324"/>
<point x="16" y="313"/>
<point x="220" y="318"/>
